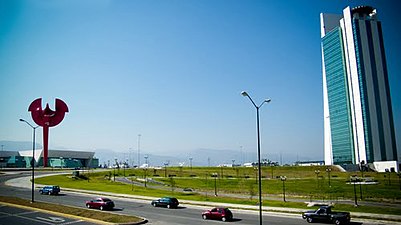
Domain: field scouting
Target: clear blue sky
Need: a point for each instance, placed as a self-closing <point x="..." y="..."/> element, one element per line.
<point x="173" y="71"/>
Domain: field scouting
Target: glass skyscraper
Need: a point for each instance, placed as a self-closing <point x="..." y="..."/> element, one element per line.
<point x="358" y="118"/>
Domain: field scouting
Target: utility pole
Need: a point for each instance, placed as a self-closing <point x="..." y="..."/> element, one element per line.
<point x="139" y="150"/>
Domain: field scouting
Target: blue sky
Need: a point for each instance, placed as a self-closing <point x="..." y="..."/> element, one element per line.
<point x="173" y="71"/>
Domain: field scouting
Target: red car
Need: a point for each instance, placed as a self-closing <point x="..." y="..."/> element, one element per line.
<point x="223" y="214"/>
<point x="100" y="203"/>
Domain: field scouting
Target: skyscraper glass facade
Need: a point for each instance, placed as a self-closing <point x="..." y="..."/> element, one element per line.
<point x="363" y="96"/>
<point x="358" y="122"/>
<point x="337" y="88"/>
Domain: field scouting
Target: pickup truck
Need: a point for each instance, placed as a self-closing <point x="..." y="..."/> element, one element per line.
<point x="324" y="213"/>
<point x="50" y="190"/>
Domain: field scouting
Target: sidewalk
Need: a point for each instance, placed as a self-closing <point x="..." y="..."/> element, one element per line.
<point x="24" y="182"/>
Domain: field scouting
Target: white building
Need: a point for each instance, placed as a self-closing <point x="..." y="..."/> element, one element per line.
<point x="358" y="117"/>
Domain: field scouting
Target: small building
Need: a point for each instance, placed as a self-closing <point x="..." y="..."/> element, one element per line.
<point x="12" y="159"/>
<point x="56" y="159"/>
<point x="386" y="166"/>
<point x="309" y="163"/>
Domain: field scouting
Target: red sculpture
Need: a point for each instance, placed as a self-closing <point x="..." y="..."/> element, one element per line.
<point x="47" y="118"/>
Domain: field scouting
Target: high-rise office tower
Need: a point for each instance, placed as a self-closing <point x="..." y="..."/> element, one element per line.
<point x="358" y="118"/>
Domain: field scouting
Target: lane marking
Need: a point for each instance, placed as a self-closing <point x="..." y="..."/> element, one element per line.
<point x="52" y="219"/>
<point x="72" y="222"/>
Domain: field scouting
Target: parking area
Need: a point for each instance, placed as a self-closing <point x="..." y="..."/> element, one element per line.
<point x="10" y="215"/>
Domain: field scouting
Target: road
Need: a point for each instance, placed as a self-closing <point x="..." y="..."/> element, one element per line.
<point x="13" y="215"/>
<point x="184" y="215"/>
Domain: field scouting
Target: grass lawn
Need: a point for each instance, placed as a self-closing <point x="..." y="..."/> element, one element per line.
<point x="302" y="182"/>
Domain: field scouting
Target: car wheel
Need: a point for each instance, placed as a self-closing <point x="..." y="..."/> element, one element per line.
<point x="224" y="219"/>
<point x="204" y="217"/>
<point x="337" y="222"/>
<point x="154" y="204"/>
<point x="310" y="220"/>
<point x="49" y="193"/>
<point x="88" y="206"/>
<point x="101" y="208"/>
<point x="168" y="206"/>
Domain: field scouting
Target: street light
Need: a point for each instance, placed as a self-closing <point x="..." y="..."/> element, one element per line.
<point x="354" y="179"/>
<point x="283" y="179"/>
<point x="389" y="175"/>
<point x="165" y="169"/>
<point x="139" y="150"/>
<point x="146" y="168"/>
<point x="317" y="177"/>
<point x="328" y="170"/>
<point x="114" y="170"/>
<point x="245" y="94"/>
<point x="61" y="162"/>
<point x="124" y="165"/>
<point x="215" y="183"/>
<point x="190" y="162"/>
<point x="33" y="158"/>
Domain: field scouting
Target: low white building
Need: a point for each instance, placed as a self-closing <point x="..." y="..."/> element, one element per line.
<point x="386" y="166"/>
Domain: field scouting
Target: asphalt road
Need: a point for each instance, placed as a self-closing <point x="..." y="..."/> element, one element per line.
<point x="13" y="215"/>
<point x="184" y="215"/>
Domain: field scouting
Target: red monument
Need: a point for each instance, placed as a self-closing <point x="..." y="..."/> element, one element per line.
<point x="47" y="118"/>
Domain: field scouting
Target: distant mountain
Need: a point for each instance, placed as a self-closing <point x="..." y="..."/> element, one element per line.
<point x="17" y="145"/>
<point x="108" y="157"/>
<point x="200" y="157"/>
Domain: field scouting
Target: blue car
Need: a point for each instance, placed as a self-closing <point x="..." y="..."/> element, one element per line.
<point x="50" y="190"/>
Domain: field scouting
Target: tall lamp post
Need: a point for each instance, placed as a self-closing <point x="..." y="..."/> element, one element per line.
<point x="114" y="170"/>
<point x="139" y="150"/>
<point x="328" y="170"/>
<point x="283" y="179"/>
<point x="33" y="158"/>
<point x="190" y="162"/>
<point x="317" y="177"/>
<point x="245" y="94"/>
<point x="165" y="169"/>
<point x="215" y="183"/>
<point x="353" y="179"/>
<point x="146" y="168"/>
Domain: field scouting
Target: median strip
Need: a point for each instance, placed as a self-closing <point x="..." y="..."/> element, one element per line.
<point x="78" y="213"/>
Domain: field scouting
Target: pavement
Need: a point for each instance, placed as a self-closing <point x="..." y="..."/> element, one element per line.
<point x="24" y="182"/>
<point x="12" y="214"/>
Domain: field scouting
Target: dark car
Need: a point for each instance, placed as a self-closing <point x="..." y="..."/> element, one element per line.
<point x="50" y="190"/>
<point x="100" y="203"/>
<point x="325" y="214"/>
<point x="223" y="214"/>
<point x="166" y="202"/>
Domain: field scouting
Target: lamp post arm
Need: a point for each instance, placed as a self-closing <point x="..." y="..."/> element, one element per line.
<point x="252" y="101"/>
<point x="265" y="101"/>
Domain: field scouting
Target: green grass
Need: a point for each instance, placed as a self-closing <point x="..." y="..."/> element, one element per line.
<point x="302" y="182"/>
<point x="92" y="214"/>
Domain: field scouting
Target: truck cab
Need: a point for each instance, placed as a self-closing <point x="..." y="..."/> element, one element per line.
<point x="325" y="214"/>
